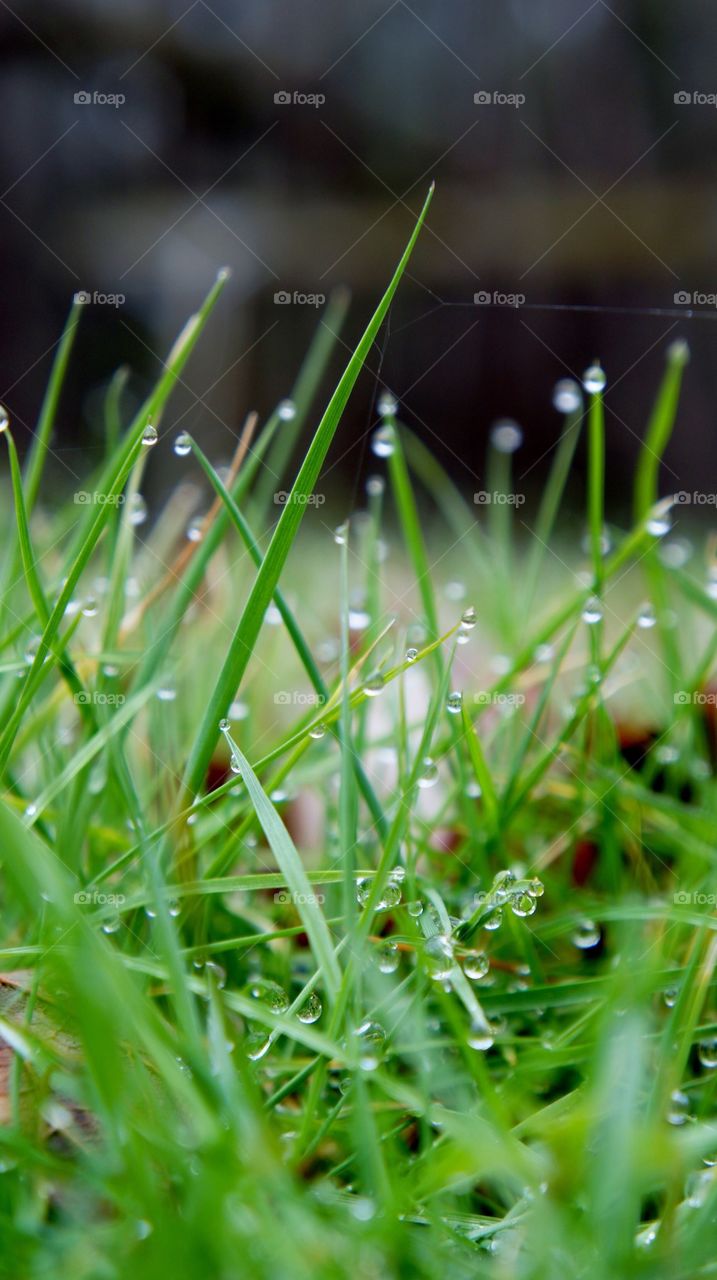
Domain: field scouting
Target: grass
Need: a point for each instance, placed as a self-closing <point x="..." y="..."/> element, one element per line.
<point x="358" y="913"/>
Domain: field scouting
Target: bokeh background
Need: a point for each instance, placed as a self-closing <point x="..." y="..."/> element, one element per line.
<point x="597" y="191"/>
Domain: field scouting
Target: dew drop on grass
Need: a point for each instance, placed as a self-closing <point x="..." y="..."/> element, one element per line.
<point x="566" y="396"/>
<point x="371" y="1039"/>
<point x="4" y="418"/>
<point x="286" y="410"/>
<point x="167" y="694"/>
<point x="375" y="486"/>
<point x="506" y="436"/>
<point x="341" y="534"/>
<point x="373" y="686"/>
<point x="707" y="1052"/>
<point x="257" y="1044"/>
<point x="239" y="710"/>
<point x="659" y="525"/>
<point x="475" y="965"/>
<point x="585" y="935"/>
<point x="544" y="653"/>
<point x="438" y="957"/>
<point x="137" y="510"/>
<point x="469" y="619"/>
<point x="535" y="887"/>
<point x="318" y="732"/>
<point x="494" y="920"/>
<point x="594" y="380"/>
<point x="415" y="908"/>
<point x="391" y="895"/>
<point x="359" y="619"/>
<point x="174" y="908"/>
<point x="183" y="445"/>
<point x="646" y="618"/>
<point x="411" y="655"/>
<point x="268" y="992"/>
<point x="31" y="649"/>
<point x="235" y="765"/>
<point x="311" y="1010"/>
<point x="480" y="1036"/>
<point x="389" y="957"/>
<point x="592" y="611"/>
<point x="522" y="904"/>
<point x="149" y="436"/>
<point x="670" y="996"/>
<point x="111" y="924"/>
<point x="363" y="889"/>
<point x="678" y="1110"/>
<point x="454" y="702"/>
<point x="195" y="529"/>
<point x="387" y="405"/>
<point x="429" y="774"/>
<point x="224" y="726"/>
<point x="383" y="441"/>
<point x="474" y="791"/>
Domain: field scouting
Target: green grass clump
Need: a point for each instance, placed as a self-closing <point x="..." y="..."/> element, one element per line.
<point x="358" y="911"/>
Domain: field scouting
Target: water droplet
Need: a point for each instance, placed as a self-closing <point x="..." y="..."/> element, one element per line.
<point x="149" y="436"/>
<point x="389" y="958"/>
<point x="195" y="529"/>
<point x="4" y="418"/>
<point x="522" y="904"/>
<point x="675" y="553"/>
<point x="544" y="653"/>
<point x="374" y="685"/>
<point x="387" y="405"/>
<point x="480" y="1035"/>
<point x="566" y="396"/>
<point x="174" y="908"/>
<point x="707" y="1052"/>
<point x="183" y="445"/>
<point x="31" y="649"/>
<point x="535" y="887"/>
<point x="363" y="889"/>
<point x="594" y="380"/>
<point x="391" y="895"/>
<point x="224" y="725"/>
<point x="411" y="655"/>
<point x="474" y="790"/>
<point x="454" y="702"/>
<point x="438" y="957"/>
<point x="592" y="611"/>
<point x="31" y="810"/>
<point x="235" y="764"/>
<point x="359" y="619"/>
<point x="429" y="774"/>
<point x="375" y="486"/>
<point x="585" y="935"/>
<point x="341" y="534"/>
<point x="506" y="436"/>
<point x="166" y="694"/>
<point x="286" y="410"/>
<point x="111" y="924"/>
<point x="469" y="619"/>
<point x="137" y="510"/>
<point x="257" y="1044"/>
<point x="238" y="710"/>
<point x="318" y="731"/>
<point x="371" y="1044"/>
<point x="475" y="965"/>
<point x="415" y="908"/>
<point x="670" y="996"/>
<point x="312" y="1009"/>
<point x="659" y="525"/>
<point x="679" y="1108"/>
<point x="89" y="608"/>
<point x="494" y="921"/>
<point x="646" y="618"/>
<point x="383" y="441"/>
<point x="268" y="992"/>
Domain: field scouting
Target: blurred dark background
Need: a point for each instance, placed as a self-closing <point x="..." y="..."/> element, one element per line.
<point x="597" y="190"/>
